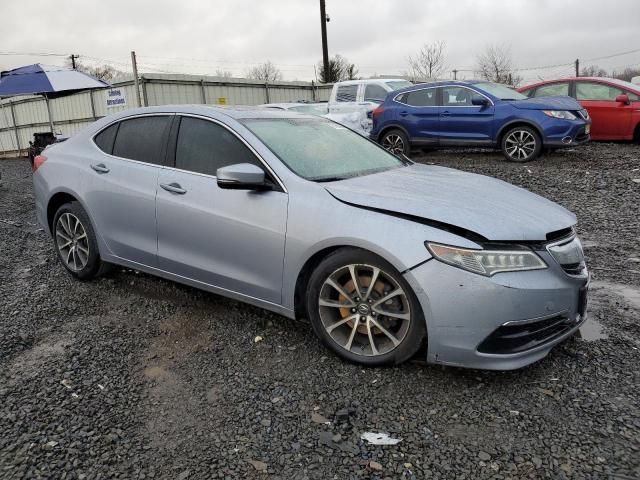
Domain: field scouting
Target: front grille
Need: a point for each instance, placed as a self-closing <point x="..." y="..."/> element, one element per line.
<point x="518" y="338"/>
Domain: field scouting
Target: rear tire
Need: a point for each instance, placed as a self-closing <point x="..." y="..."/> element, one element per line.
<point x="636" y="135"/>
<point x="521" y="144"/>
<point x="346" y="305"/>
<point x="396" y="142"/>
<point x="75" y="242"/>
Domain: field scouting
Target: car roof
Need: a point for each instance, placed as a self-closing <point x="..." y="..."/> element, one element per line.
<point x="371" y="80"/>
<point x="234" y="111"/>
<point x="607" y="80"/>
<point x="439" y="83"/>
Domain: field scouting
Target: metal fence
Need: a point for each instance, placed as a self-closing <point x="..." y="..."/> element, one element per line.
<point x="21" y="117"/>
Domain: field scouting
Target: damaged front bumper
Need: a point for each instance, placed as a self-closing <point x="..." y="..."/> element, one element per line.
<point x="502" y="322"/>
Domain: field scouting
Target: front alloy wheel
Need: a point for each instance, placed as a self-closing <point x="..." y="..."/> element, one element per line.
<point x="521" y="144"/>
<point x="364" y="310"/>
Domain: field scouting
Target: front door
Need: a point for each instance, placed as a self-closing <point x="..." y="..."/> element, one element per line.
<point x="230" y="239"/>
<point x="462" y="122"/>
<point x="610" y="120"/>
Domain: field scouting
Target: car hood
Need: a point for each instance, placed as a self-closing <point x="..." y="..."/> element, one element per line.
<point x="486" y="206"/>
<point x="548" y="103"/>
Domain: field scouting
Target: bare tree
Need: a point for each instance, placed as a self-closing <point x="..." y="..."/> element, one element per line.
<point x="223" y="73"/>
<point x="107" y="73"/>
<point x="627" y="74"/>
<point x="593" y="71"/>
<point x="495" y="65"/>
<point x="429" y="62"/>
<point x="267" y="72"/>
<point x="339" y="69"/>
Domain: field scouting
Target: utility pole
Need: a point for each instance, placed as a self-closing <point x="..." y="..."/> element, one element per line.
<point x="73" y="60"/>
<point x="577" y="67"/>
<point x="325" y="48"/>
<point x="455" y="74"/>
<point x="134" y="65"/>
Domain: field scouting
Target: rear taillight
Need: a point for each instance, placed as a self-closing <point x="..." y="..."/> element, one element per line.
<point x="377" y="112"/>
<point x="38" y="161"/>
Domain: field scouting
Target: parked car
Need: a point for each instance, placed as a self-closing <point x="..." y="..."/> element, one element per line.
<point x="310" y="108"/>
<point x="301" y="216"/>
<point x="613" y="105"/>
<point x="362" y="96"/>
<point x="480" y="114"/>
<point x="356" y="121"/>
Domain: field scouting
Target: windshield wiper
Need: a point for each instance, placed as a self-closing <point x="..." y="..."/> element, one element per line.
<point x="328" y="179"/>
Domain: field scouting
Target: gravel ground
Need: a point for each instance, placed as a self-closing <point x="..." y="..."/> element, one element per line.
<point x="132" y="377"/>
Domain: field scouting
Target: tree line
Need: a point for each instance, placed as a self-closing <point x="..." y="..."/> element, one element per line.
<point x="494" y="63"/>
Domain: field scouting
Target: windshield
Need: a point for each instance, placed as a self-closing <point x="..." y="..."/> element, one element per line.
<point x="320" y="150"/>
<point x="398" y="84"/>
<point x="501" y="91"/>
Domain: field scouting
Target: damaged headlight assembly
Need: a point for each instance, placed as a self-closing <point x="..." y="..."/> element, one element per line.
<point x="487" y="262"/>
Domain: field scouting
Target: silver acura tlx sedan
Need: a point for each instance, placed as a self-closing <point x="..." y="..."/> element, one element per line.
<point x="300" y="215"/>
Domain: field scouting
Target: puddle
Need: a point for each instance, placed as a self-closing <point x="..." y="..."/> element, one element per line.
<point x="592" y="330"/>
<point x="630" y="294"/>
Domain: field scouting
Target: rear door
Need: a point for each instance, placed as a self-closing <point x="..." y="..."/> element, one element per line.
<point x="123" y="204"/>
<point x="230" y="239"/>
<point x="460" y="120"/>
<point x="611" y="120"/>
<point x="418" y="112"/>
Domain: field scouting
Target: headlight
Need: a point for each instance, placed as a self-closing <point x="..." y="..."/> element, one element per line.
<point x="565" y="115"/>
<point x="487" y="262"/>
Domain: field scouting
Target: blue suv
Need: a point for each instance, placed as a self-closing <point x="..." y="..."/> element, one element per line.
<point x="479" y="114"/>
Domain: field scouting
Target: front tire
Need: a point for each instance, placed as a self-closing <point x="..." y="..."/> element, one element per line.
<point x="364" y="310"/>
<point x="521" y="144"/>
<point x="396" y="142"/>
<point x="75" y="242"/>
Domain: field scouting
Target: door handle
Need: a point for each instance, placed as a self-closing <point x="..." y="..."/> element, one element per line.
<point x="173" y="188"/>
<point x="445" y="113"/>
<point x="100" y="168"/>
<point x="404" y="114"/>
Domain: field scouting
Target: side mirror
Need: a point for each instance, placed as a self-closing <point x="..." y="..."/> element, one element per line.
<point x="479" y="101"/>
<point x="623" y="99"/>
<point x="242" y="176"/>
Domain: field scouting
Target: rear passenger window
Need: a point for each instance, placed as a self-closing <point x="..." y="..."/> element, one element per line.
<point x="142" y="139"/>
<point x="204" y="147"/>
<point x="552" y="89"/>
<point x="104" y="140"/>
<point x="421" y="98"/>
<point x="347" y="93"/>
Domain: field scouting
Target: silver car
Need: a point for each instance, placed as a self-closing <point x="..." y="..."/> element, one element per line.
<point x="301" y="216"/>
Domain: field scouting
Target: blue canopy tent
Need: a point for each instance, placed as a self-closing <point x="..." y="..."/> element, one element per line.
<point x="48" y="81"/>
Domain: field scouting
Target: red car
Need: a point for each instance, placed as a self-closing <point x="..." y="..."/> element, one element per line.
<point x="613" y="105"/>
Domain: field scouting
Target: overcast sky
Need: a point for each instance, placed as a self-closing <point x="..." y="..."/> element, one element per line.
<point x="200" y="36"/>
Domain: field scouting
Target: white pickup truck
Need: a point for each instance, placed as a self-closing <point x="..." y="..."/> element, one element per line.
<point x="352" y="101"/>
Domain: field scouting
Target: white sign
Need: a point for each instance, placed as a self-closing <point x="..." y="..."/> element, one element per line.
<point x="116" y="98"/>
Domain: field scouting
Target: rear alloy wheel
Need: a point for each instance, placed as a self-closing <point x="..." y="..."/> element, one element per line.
<point x="76" y="243"/>
<point x="521" y="144"/>
<point x="364" y="310"/>
<point x="396" y="142"/>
